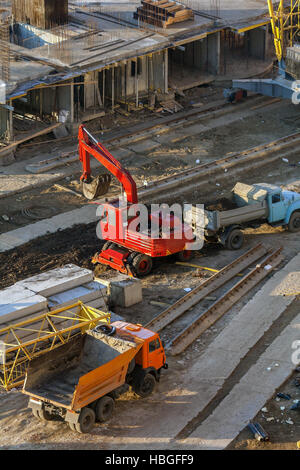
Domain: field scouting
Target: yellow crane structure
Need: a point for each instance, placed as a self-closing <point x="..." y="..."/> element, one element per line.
<point x="285" y="22"/>
<point x="21" y="342"/>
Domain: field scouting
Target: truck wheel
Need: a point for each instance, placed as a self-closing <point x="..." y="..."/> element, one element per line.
<point x="142" y="265"/>
<point x="43" y="415"/>
<point x="86" y="421"/>
<point x="146" y="387"/>
<point x="184" y="255"/>
<point x="106" y="246"/>
<point x="294" y="223"/>
<point x="234" y="240"/>
<point x="104" y="409"/>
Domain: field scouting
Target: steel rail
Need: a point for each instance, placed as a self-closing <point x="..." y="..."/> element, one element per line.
<point x="207" y="287"/>
<point x="210" y="169"/>
<point x="206" y="319"/>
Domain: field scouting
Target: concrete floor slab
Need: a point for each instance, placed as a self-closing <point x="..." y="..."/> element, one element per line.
<point x="57" y="280"/>
<point x="250" y="394"/>
<point x="23" y="307"/>
<point x="86" y="293"/>
<point x="144" y="147"/>
<point x="14" y="238"/>
<point x="13" y="294"/>
<point x="121" y="153"/>
<point x="216" y="364"/>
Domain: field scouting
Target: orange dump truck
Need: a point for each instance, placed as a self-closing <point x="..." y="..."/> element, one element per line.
<point x="79" y="381"/>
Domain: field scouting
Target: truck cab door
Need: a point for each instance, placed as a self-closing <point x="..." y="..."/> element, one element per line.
<point x="156" y="356"/>
<point x="277" y="208"/>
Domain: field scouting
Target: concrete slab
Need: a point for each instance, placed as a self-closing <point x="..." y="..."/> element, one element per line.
<point x="57" y="280"/>
<point x="86" y="293"/>
<point x="14" y="238"/>
<point x="100" y="304"/>
<point x="144" y="147"/>
<point x="121" y="153"/>
<point x="211" y="369"/>
<point x="247" y="397"/>
<point x="22" y="307"/>
<point x="13" y="294"/>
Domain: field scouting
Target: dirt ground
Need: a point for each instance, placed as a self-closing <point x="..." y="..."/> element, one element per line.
<point x="19" y="429"/>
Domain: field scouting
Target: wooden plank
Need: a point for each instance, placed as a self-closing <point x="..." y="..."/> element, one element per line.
<point x="13" y="146"/>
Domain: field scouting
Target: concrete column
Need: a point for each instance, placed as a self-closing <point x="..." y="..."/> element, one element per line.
<point x="136" y="84"/>
<point x="11" y="126"/>
<point x="103" y="87"/>
<point x="166" y="70"/>
<point x="3" y="123"/>
<point x="113" y="88"/>
<point x="72" y="101"/>
<point x="257" y="45"/>
<point x="214" y="53"/>
<point x="89" y="90"/>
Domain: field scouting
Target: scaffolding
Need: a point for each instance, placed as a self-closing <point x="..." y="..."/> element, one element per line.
<point x="26" y="340"/>
<point x="4" y="50"/>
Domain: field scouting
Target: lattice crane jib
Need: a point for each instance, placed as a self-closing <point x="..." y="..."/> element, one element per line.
<point x="23" y="341"/>
<point x="285" y="22"/>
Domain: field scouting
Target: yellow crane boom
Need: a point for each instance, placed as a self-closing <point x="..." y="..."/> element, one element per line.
<point x="285" y="22"/>
<point x="23" y="341"/>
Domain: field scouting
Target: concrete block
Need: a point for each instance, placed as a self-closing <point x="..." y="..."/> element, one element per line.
<point x="144" y="147"/>
<point x="14" y="293"/>
<point x="22" y="307"/>
<point x="57" y="280"/>
<point x="125" y="291"/>
<point x="100" y="304"/>
<point x="86" y="293"/>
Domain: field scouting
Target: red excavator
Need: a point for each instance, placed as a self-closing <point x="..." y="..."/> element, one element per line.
<point x="128" y="248"/>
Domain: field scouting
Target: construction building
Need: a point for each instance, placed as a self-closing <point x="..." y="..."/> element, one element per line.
<point x="72" y="61"/>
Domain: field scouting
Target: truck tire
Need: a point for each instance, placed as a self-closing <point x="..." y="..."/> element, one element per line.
<point x="146" y="386"/>
<point x="234" y="240"/>
<point x="294" y="222"/>
<point x="86" y="421"/>
<point x="142" y="265"/>
<point x="184" y="255"/>
<point x="104" y="409"/>
<point x="43" y="415"/>
<point x="108" y="330"/>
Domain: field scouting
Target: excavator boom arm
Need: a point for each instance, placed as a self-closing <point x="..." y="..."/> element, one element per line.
<point x="88" y="146"/>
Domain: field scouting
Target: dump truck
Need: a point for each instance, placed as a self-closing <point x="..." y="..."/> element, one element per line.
<point x="79" y="381"/>
<point x="251" y="206"/>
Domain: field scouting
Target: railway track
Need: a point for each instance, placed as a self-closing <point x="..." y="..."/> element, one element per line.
<point x="207" y="318"/>
<point x="218" y="170"/>
<point x="186" y="118"/>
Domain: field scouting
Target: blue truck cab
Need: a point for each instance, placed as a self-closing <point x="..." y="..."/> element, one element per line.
<point x="283" y="207"/>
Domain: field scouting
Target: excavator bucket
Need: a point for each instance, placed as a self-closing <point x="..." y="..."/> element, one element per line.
<point x="97" y="187"/>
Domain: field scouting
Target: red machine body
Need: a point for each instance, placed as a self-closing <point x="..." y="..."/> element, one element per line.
<point x="127" y="249"/>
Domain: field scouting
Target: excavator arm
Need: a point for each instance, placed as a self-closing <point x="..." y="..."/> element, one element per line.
<point x="96" y="187"/>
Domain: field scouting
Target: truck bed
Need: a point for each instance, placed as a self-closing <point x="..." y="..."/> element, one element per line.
<point x="71" y="373"/>
<point x="240" y="215"/>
